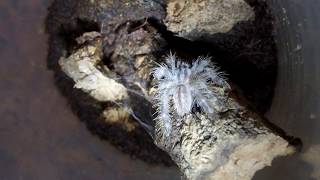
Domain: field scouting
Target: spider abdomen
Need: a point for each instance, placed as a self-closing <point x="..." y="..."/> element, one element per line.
<point x="182" y="100"/>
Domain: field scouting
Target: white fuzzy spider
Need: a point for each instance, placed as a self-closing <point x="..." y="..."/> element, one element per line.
<point x="183" y="86"/>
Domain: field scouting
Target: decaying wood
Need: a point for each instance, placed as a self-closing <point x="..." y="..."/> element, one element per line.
<point x="234" y="144"/>
<point x="194" y="19"/>
<point x="82" y="68"/>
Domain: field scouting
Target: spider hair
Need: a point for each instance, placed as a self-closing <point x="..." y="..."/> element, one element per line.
<point x="181" y="86"/>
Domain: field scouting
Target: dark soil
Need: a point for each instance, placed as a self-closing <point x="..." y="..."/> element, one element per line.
<point x="247" y="54"/>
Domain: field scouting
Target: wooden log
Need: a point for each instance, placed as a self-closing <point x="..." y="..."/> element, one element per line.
<point x="233" y="144"/>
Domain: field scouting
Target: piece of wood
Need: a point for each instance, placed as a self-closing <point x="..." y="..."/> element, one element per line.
<point x="233" y="144"/>
<point x="193" y="19"/>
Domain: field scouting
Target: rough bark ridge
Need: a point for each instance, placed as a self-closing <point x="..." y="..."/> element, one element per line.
<point x="112" y="63"/>
<point x="231" y="145"/>
<point x="195" y="19"/>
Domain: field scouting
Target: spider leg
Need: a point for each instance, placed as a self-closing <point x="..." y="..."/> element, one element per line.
<point x="164" y="121"/>
<point x="203" y="97"/>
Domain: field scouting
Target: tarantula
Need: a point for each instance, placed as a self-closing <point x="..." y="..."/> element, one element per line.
<point x="181" y="86"/>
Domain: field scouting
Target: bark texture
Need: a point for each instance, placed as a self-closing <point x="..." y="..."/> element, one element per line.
<point x="194" y="19"/>
<point x="233" y="144"/>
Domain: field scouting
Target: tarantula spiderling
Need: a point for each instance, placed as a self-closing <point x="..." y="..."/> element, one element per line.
<point x="181" y="86"/>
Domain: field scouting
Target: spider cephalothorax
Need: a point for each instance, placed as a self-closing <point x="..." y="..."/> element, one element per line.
<point x="181" y="86"/>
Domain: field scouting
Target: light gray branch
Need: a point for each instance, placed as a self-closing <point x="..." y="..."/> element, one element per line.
<point x="233" y="144"/>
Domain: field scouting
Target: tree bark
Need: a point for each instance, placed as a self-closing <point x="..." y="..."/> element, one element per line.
<point x="233" y="144"/>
